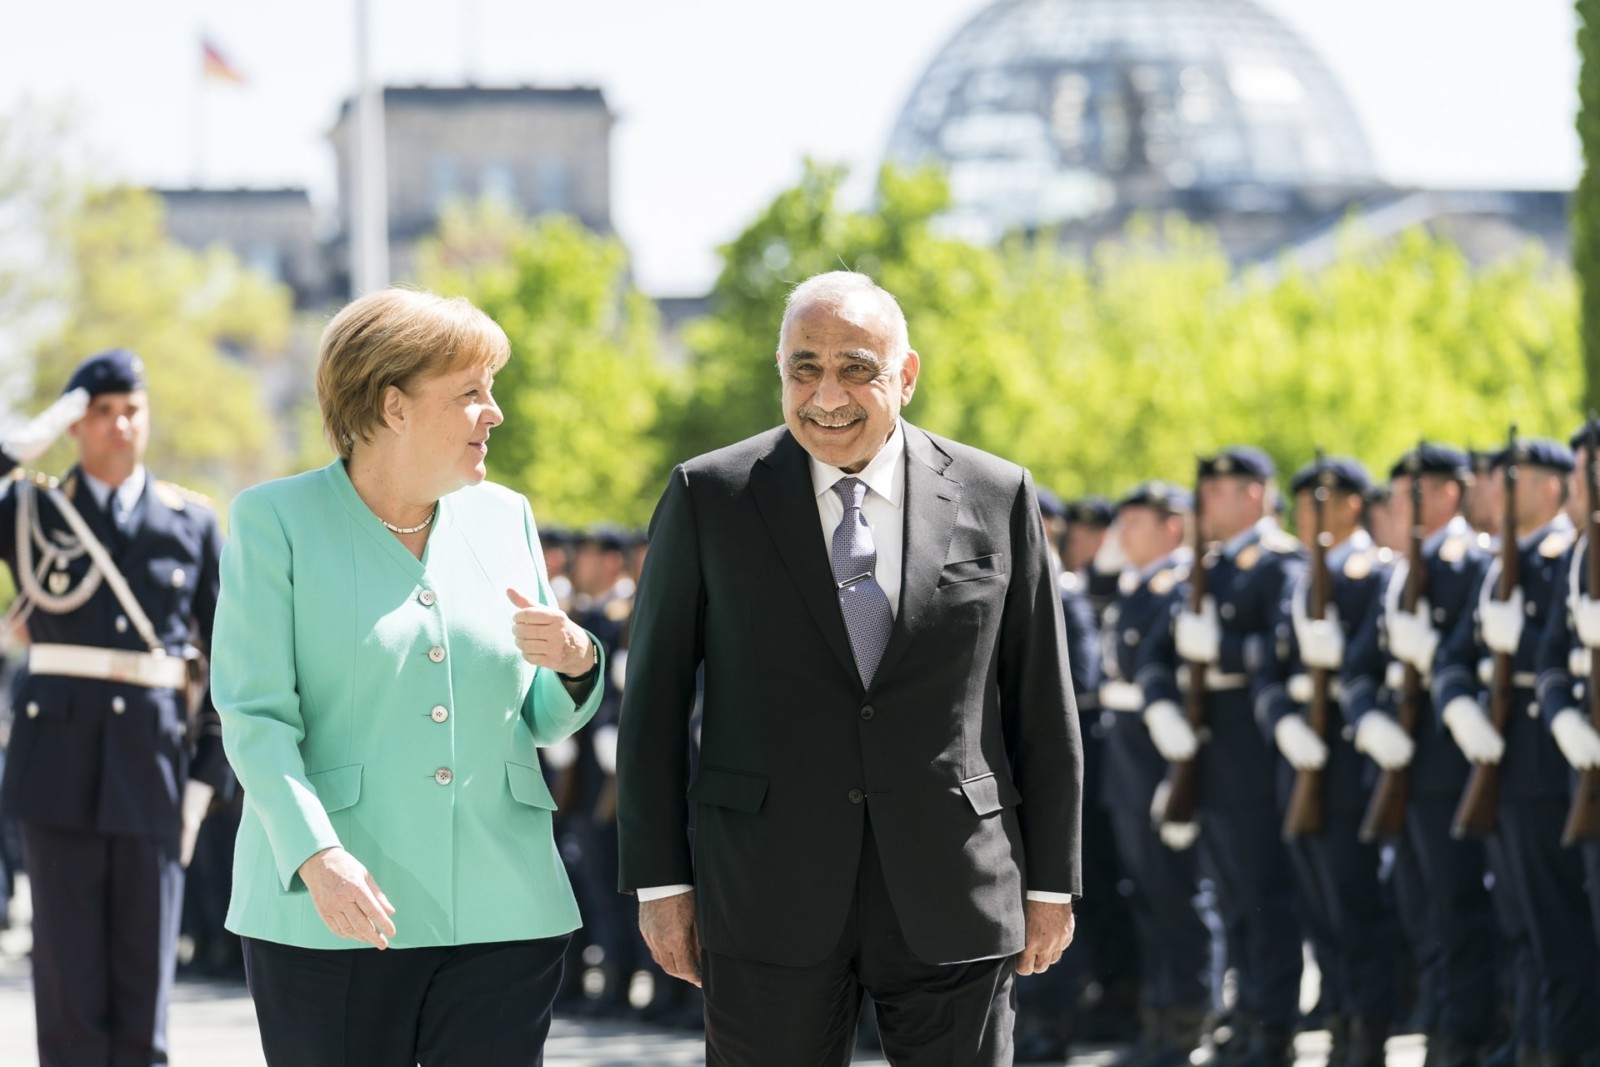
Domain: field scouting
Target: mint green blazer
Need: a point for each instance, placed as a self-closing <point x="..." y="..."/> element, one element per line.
<point x="378" y="702"/>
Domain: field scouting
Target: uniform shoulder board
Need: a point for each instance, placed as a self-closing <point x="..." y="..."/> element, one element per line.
<point x="1280" y="541"/>
<point x="1070" y="582"/>
<point x="70" y="484"/>
<point x="1162" y="581"/>
<point x="1248" y="557"/>
<point x="1453" y="550"/>
<point x="177" y="497"/>
<point x="1555" y="543"/>
<point x="619" y="609"/>
<point x="1358" y="566"/>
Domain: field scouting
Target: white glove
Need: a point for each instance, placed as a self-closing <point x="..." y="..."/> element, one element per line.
<point x="1475" y="735"/>
<point x="1300" y="744"/>
<point x="1199" y="637"/>
<point x="1412" y="638"/>
<point x="30" y="440"/>
<point x="1577" y="739"/>
<point x="1111" y="559"/>
<point x="619" y="669"/>
<point x="562" y="754"/>
<point x="1380" y="737"/>
<point x="1321" y="641"/>
<point x="605" y="747"/>
<point x="1586" y="616"/>
<point x="1175" y="835"/>
<point x="1501" y="621"/>
<point x="1173" y="736"/>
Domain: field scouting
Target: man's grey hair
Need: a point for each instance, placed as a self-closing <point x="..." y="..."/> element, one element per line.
<point x="837" y="286"/>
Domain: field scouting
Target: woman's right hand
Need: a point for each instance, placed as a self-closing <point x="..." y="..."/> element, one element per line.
<point x="349" y="901"/>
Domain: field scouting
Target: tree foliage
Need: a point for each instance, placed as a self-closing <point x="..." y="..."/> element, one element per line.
<point x="1098" y="371"/>
<point x="583" y="390"/>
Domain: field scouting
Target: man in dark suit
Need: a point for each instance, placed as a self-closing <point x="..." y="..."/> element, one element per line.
<point x="119" y="576"/>
<point x="889" y="784"/>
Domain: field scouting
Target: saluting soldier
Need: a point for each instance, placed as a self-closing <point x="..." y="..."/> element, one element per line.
<point x="1237" y="767"/>
<point x="1545" y="880"/>
<point x="117" y="577"/>
<point x="1174" y="942"/>
<point x="1336" y="874"/>
<point x="1457" y="943"/>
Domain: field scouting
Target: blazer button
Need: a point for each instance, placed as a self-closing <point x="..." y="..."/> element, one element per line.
<point x="443" y="776"/>
<point x="857" y="796"/>
<point x="33" y="709"/>
<point x="868" y="712"/>
<point x="436" y="653"/>
<point x="440" y="713"/>
<point x="427" y="598"/>
<point x="121" y="624"/>
<point x="119" y="705"/>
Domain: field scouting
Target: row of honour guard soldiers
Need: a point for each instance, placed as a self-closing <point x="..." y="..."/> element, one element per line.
<point x="1375" y="741"/>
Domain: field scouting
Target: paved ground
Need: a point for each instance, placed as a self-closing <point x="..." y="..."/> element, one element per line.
<point x="214" y="1025"/>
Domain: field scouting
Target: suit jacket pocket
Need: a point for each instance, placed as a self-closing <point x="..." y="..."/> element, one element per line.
<point x="988" y="794"/>
<point x="528" y="787"/>
<point x="970" y="570"/>
<point x="729" y="789"/>
<point x="338" y="788"/>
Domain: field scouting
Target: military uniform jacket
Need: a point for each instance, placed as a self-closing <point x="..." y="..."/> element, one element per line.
<point x="1358" y="576"/>
<point x="1247" y="579"/>
<point x="97" y="755"/>
<point x="376" y="701"/>
<point x="1562" y="661"/>
<point x="1533" y="765"/>
<point x="1132" y="764"/>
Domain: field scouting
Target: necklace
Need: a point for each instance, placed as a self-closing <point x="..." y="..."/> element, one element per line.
<point x="418" y="528"/>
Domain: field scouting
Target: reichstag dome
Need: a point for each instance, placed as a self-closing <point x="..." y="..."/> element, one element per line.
<point x="1080" y="112"/>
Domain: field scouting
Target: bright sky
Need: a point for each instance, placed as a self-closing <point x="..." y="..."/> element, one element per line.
<point x="719" y="100"/>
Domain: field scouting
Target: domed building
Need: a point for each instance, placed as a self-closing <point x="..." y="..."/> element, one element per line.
<point x="1076" y="114"/>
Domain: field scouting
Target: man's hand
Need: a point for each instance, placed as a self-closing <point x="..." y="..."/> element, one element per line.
<point x="1050" y="928"/>
<point x="30" y="440"/>
<point x="669" y="929"/>
<point x="349" y="901"/>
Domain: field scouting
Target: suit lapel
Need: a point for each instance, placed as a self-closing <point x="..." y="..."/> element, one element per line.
<point x="786" y="498"/>
<point x="931" y="503"/>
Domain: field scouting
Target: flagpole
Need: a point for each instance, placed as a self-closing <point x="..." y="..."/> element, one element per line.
<point x="369" y="251"/>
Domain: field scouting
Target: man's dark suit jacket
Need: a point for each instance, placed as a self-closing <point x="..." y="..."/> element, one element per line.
<point x="965" y="749"/>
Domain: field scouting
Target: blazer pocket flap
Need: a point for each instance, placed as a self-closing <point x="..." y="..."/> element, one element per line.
<point x="988" y="793"/>
<point x="528" y="787"/>
<point x="729" y="789"/>
<point x="337" y="788"/>
<point x="967" y="570"/>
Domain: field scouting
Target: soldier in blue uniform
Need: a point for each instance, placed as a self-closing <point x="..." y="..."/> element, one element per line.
<point x="1088" y="522"/>
<point x="1336" y="874"/>
<point x="1174" y="942"/>
<point x="117" y="576"/>
<point x="1238" y="825"/>
<point x="1545" y="879"/>
<point x="1456" y="947"/>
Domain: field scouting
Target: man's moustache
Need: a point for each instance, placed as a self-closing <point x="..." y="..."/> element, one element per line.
<point x="833" y="419"/>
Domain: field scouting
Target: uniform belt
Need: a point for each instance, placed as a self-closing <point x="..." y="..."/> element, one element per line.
<point x="1121" y="696"/>
<point x="1519" y="679"/>
<point x="109" y="664"/>
<point x="1216" y="681"/>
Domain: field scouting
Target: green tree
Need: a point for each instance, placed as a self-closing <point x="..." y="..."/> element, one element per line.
<point x="582" y="392"/>
<point x="1586" y="204"/>
<point x="193" y="317"/>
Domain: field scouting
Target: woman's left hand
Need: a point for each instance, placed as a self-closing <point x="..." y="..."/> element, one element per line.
<point x="547" y="638"/>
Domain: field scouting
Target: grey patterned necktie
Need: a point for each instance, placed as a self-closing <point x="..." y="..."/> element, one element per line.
<point x="855" y="559"/>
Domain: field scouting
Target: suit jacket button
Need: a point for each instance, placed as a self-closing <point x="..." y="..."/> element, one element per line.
<point x="857" y="796"/>
<point x="33" y="709"/>
<point x="440" y="713"/>
<point x="427" y="598"/>
<point x="119" y="705"/>
<point x="868" y="712"/>
<point x="443" y="776"/>
<point x="436" y="653"/>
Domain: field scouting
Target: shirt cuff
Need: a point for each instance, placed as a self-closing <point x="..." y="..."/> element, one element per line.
<point x="656" y="892"/>
<point x="1042" y="897"/>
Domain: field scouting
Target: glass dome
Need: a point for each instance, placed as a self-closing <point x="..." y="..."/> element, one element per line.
<point x="1047" y="111"/>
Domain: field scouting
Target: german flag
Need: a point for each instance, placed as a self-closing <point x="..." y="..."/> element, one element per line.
<point x="214" y="65"/>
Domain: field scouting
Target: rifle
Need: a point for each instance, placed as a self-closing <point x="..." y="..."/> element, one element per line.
<point x="1476" y="812"/>
<point x="1385" y="817"/>
<point x="1304" y="816"/>
<point x="1583" y="819"/>
<point x="1183" y="777"/>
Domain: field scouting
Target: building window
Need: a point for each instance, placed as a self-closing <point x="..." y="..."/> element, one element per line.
<point x="446" y="181"/>
<point x="498" y="182"/>
<point x="553" y="194"/>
